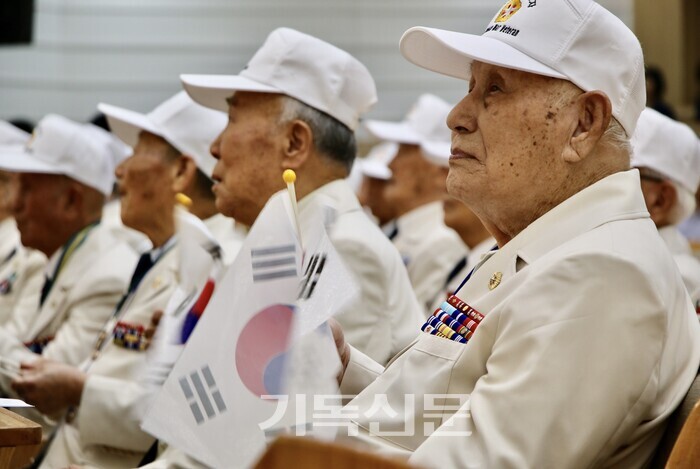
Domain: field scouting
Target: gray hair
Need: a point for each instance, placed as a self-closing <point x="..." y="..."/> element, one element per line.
<point x="616" y="136"/>
<point x="332" y="138"/>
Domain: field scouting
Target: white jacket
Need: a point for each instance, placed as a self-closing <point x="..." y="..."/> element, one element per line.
<point x="21" y="278"/>
<point x="429" y="249"/>
<point x="688" y="265"/>
<point x="104" y="432"/>
<point x="589" y="343"/>
<point x="82" y="298"/>
<point x="383" y="320"/>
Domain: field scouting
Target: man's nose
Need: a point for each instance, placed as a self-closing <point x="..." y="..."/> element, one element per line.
<point x="462" y="117"/>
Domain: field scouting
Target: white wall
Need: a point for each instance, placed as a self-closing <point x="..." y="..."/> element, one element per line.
<point x="130" y="52"/>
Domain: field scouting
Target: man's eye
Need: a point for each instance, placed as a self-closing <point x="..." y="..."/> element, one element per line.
<point x="493" y="88"/>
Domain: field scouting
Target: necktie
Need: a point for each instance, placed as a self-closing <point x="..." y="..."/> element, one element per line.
<point x="48" y="282"/>
<point x="142" y="267"/>
<point x="9" y="256"/>
<point x="150" y="455"/>
<point x="455" y="271"/>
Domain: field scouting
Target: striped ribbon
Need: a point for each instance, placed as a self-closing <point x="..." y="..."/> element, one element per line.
<point x="454" y="320"/>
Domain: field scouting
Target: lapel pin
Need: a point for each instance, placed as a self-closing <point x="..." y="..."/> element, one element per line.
<point x="495" y="280"/>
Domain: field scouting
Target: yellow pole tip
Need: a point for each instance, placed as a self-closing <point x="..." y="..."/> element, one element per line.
<point x="182" y="199"/>
<point x="289" y="176"/>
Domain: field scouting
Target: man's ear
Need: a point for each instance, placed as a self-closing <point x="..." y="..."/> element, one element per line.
<point x="72" y="200"/>
<point x="298" y="144"/>
<point x="662" y="206"/>
<point x="594" y="112"/>
<point x="184" y="170"/>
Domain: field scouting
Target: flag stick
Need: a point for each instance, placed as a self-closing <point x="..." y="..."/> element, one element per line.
<point x="289" y="177"/>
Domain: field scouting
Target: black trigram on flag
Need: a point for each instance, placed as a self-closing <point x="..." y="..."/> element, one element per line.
<point x="311" y="275"/>
<point x="273" y="262"/>
<point x="202" y="395"/>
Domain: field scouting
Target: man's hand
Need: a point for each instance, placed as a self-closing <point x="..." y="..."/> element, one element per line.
<point x="342" y="346"/>
<point x="49" y="385"/>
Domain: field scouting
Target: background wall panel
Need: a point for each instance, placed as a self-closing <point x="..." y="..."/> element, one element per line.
<point x="130" y="52"/>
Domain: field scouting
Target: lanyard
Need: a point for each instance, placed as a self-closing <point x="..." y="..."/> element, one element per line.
<point x="107" y="331"/>
<point x="469" y="275"/>
<point x="69" y="248"/>
<point x="9" y="256"/>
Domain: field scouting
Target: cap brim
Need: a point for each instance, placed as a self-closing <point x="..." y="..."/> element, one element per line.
<point x="212" y="90"/>
<point x="437" y="153"/>
<point x="16" y="159"/>
<point x="11" y="135"/>
<point x="375" y="170"/>
<point x="452" y="53"/>
<point x="127" y="124"/>
<point x="397" y="132"/>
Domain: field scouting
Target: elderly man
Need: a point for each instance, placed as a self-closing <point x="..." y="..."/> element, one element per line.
<point x="187" y="130"/>
<point x="65" y="173"/>
<point x="415" y="192"/>
<point x="21" y="269"/>
<point x="667" y="154"/>
<point x="295" y="106"/>
<point x="105" y="397"/>
<point x="571" y="344"/>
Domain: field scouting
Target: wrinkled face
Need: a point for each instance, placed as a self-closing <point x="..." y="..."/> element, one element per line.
<point x="249" y="152"/>
<point x="508" y="136"/>
<point x="38" y="203"/>
<point x="413" y="178"/>
<point x="372" y="196"/>
<point x="145" y="182"/>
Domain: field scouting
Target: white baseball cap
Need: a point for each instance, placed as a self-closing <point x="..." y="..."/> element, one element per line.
<point x="376" y="163"/>
<point x="186" y="125"/>
<point x="425" y="121"/>
<point x="11" y="135"/>
<point x="425" y="125"/>
<point x="575" y="40"/>
<point x="58" y="145"/>
<point x="308" y="69"/>
<point x="668" y="147"/>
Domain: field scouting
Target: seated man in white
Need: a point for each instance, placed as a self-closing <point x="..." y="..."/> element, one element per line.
<point x="667" y="154"/>
<point x="415" y="191"/>
<point x="102" y="398"/>
<point x="21" y="268"/>
<point x="571" y="344"/>
<point x="278" y="121"/>
<point x="65" y="173"/>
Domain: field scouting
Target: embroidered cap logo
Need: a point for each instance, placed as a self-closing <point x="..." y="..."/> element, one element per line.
<point x="508" y="10"/>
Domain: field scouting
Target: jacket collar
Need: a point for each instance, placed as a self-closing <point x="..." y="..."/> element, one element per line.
<point x="616" y="197"/>
<point x="418" y="219"/>
<point x="336" y="194"/>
